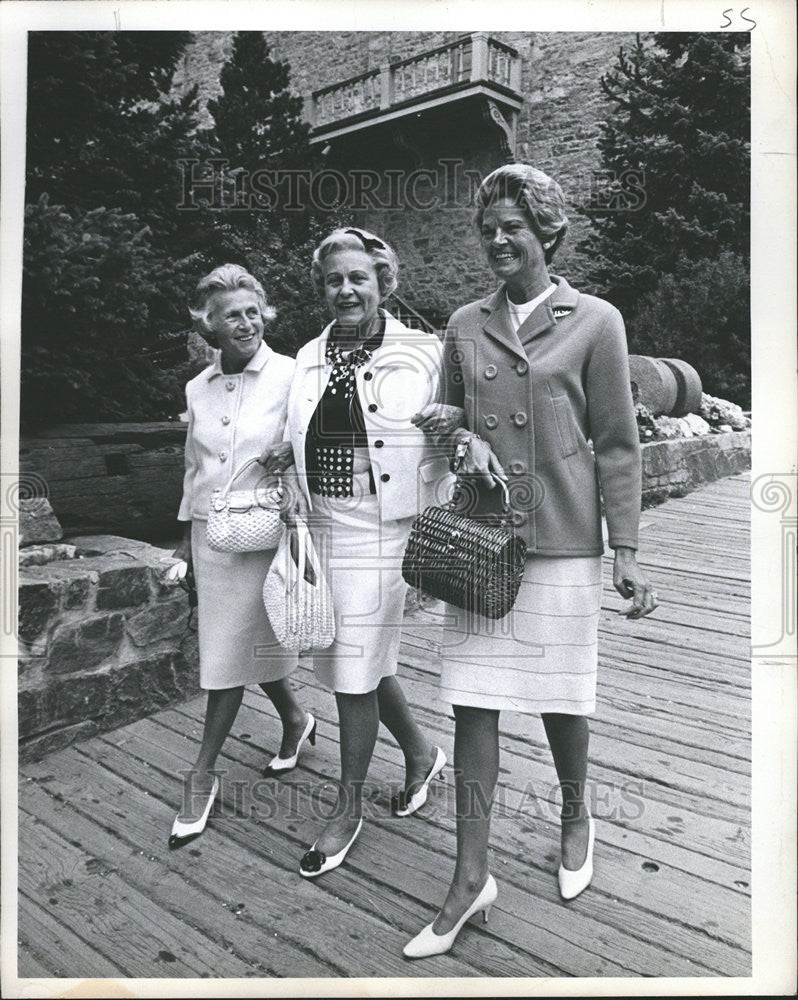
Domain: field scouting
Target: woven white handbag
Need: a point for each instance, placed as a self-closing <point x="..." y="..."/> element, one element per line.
<point x="300" y="613"/>
<point x="245" y="520"/>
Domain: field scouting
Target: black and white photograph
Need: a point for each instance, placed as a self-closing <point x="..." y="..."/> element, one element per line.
<point x="399" y="499"/>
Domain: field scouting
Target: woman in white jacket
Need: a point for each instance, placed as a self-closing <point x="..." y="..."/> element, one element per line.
<point x="236" y="408"/>
<point x="364" y="471"/>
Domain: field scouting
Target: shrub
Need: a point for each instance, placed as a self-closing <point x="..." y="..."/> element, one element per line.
<point x="701" y="315"/>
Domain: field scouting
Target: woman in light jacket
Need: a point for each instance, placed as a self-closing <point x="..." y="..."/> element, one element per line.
<point x="538" y="370"/>
<point x="364" y="471"/>
<point x="236" y="409"/>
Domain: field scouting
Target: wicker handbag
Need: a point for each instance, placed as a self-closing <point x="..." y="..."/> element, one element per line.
<point x="466" y="562"/>
<point x="245" y="520"/>
<point x="296" y="595"/>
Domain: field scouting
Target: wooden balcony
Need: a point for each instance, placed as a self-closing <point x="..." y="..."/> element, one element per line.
<point x="475" y="64"/>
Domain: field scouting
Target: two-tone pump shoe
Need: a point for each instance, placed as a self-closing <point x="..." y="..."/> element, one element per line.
<point x="402" y="805"/>
<point x="315" y="862"/>
<point x="183" y="833"/>
<point x="279" y="765"/>
<point x="572" y="882"/>
<point x="427" y="942"/>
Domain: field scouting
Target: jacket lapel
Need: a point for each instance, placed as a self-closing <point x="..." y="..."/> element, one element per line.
<point x="497" y="324"/>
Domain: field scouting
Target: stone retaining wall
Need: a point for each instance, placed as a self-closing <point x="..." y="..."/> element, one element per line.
<point x="120" y="478"/>
<point x="679" y="466"/>
<point x="104" y="639"/>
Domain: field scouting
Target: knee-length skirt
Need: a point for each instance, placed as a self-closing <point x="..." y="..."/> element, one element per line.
<point x="362" y="561"/>
<point x="542" y="657"/>
<point x="236" y="642"/>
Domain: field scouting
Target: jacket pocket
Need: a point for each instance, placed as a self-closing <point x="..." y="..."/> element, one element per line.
<point x="565" y="425"/>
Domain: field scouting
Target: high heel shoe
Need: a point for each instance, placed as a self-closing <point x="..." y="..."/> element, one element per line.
<point x="314" y="863"/>
<point x="427" y="942"/>
<point x="184" y="833"/>
<point x="574" y="882"/>
<point x="402" y="806"/>
<point x="279" y="765"/>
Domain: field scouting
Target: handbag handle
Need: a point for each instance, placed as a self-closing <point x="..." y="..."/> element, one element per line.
<point x="303" y="542"/>
<point x="506" y="520"/>
<point x="240" y="470"/>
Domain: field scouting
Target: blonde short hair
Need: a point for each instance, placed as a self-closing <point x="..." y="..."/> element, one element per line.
<point x="225" y="278"/>
<point x="539" y="195"/>
<point x="385" y="261"/>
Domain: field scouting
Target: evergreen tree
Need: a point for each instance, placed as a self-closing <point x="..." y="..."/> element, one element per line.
<point x="676" y="199"/>
<point x="680" y="132"/>
<point x="108" y="252"/>
<point x="257" y="120"/>
<point x="258" y="127"/>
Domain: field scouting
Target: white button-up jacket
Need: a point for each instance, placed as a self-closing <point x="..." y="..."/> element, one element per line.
<point x="232" y="418"/>
<point x="402" y="376"/>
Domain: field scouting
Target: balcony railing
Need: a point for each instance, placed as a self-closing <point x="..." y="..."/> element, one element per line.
<point x="473" y="63"/>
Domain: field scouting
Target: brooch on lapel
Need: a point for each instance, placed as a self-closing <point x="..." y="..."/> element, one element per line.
<point x="560" y="311"/>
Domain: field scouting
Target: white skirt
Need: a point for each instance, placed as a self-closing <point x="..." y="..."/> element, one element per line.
<point x="236" y="642"/>
<point x="362" y="561"/>
<point x="542" y="657"/>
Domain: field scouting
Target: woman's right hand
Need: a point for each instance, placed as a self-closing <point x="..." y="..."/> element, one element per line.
<point x="480" y="462"/>
<point x="275" y="459"/>
<point x="182" y="554"/>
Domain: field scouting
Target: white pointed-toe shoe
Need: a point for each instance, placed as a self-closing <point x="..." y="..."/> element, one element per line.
<point x="403" y="806"/>
<point x="574" y="882"/>
<point x="279" y="765"/>
<point x="314" y="862"/>
<point x="427" y="942"/>
<point x="184" y="833"/>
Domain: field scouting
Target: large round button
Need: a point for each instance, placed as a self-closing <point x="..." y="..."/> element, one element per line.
<point x="522" y="367"/>
<point x="230" y="386"/>
<point x="385" y="477"/>
<point x="457" y="356"/>
<point x="518" y="518"/>
<point x="367" y="376"/>
<point x="372" y="407"/>
<point x="378" y="444"/>
<point x="457" y="377"/>
<point x="491" y="371"/>
<point x="225" y="421"/>
<point x="517" y="467"/>
<point x="491" y="420"/>
<point x="520" y="418"/>
<point x="222" y="456"/>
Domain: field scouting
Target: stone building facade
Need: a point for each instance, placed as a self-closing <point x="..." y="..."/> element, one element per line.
<point x="438" y="110"/>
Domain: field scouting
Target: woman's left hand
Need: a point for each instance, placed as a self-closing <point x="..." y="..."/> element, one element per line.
<point x="439" y="420"/>
<point x="277" y="458"/>
<point x="630" y="581"/>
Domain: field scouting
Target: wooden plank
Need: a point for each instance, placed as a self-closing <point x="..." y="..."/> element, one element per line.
<point x="29" y="966"/>
<point x="538" y="761"/>
<point x="235" y="911"/>
<point x="544" y="879"/>
<point x="418" y="868"/>
<point x="265" y="873"/>
<point x="135" y="935"/>
<point x="56" y="947"/>
<point x="516" y="793"/>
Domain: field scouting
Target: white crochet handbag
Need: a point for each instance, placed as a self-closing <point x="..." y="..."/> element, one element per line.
<point x="245" y="520"/>
<point x="300" y="612"/>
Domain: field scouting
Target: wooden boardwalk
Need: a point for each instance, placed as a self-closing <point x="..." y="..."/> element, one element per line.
<point x="100" y="895"/>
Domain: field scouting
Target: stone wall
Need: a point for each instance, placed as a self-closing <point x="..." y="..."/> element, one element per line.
<point x="103" y="639"/>
<point x="679" y="466"/>
<point x="558" y="125"/>
<point x="121" y="478"/>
